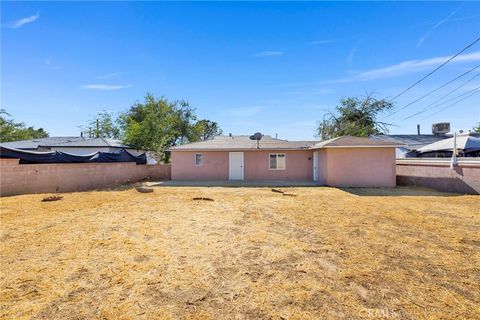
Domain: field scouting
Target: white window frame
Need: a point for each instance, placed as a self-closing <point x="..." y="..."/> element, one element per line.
<point x="195" y="159"/>
<point x="276" y="156"/>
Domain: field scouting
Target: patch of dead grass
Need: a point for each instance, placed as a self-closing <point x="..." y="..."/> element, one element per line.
<point x="251" y="253"/>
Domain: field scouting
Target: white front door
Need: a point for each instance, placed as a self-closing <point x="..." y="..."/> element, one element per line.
<point x="315" y="165"/>
<point x="235" y="165"/>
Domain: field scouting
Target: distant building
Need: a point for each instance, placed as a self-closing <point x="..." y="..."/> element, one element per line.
<point x="37" y="144"/>
<point x="412" y="142"/>
<point x="75" y="145"/>
<point x="466" y="144"/>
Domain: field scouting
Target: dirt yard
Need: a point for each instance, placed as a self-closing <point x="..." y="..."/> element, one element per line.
<point x="249" y="254"/>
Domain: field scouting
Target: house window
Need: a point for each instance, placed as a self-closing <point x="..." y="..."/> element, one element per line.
<point x="277" y="161"/>
<point x="198" y="159"/>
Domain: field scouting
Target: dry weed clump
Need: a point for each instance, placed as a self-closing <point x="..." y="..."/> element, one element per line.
<point x="250" y="254"/>
<point x="52" y="198"/>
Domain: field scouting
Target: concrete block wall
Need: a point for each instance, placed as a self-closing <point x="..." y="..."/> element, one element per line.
<point x="437" y="174"/>
<point x="18" y="178"/>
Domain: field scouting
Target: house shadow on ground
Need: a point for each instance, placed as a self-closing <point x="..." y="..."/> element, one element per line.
<point x="399" y="191"/>
<point x="234" y="183"/>
<point x="369" y="192"/>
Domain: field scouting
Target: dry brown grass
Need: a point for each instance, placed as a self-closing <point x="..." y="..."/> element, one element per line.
<point x="251" y="253"/>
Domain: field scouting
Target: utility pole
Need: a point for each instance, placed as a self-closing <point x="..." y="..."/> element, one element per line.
<point x="97" y="135"/>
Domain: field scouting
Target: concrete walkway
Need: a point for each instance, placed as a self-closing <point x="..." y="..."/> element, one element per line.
<point x="232" y="183"/>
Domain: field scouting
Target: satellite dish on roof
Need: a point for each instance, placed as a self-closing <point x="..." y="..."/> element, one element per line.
<point x="256" y="136"/>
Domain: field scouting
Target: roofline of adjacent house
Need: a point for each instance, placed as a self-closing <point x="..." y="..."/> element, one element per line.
<point x="71" y="144"/>
<point x="67" y="146"/>
<point x="27" y="151"/>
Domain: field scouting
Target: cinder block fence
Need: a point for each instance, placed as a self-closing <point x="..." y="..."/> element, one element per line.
<point x="437" y="174"/>
<point x="18" y="178"/>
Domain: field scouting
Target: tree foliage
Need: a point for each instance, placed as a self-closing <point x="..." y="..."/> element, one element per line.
<point x="206" y="129"/>
<point x="157" y="124"/>
<point x="14" y="131"/>
<point x="104" y="125"/>
<point x="354" y="117"/>
<point x="477" y="128"/>
<point x="183" y="125"/>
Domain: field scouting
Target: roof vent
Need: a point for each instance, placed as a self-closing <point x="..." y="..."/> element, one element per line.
<point x="440" y="128"/>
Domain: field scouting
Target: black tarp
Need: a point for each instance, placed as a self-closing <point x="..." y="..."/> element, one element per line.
<point x="30" y="157"/>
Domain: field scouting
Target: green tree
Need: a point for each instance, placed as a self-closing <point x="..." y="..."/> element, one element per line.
<point x="477" y="128"/>
<point x="14" y="131"/>
<point x="184" y="119"/>
<point x="157" y="124"/>
<point x="206" y="129"/>
<point x="354" y="117"/>
<point x="104" y="125"/>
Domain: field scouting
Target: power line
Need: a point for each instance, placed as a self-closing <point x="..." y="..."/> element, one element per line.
<point x="435" y="70"/>
<point x="427" y="108"/>
<point x="475" y="91"/>
<point x="417" y="82"/>
<point x="433" y="91"/>
<point x="454" y="98"/>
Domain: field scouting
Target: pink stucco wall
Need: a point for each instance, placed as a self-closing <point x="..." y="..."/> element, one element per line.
<point x="298" y="166"/>
<point x="340" y="167"/>
<point x="357" y="167"/>
<point x="256" y="166"/>
<point x="215" y="166"/>
<point x="437" y="174"/>
<point x="18" y="178"/>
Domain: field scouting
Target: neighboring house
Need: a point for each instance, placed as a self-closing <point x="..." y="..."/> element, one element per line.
<point x="344" y="161"/>
<point x="74" y="145"/>
<point x="466" y="144"/>
<point x="36" y="144"/>
<point x="90" y="145"/>
<point x="409" y="142"/>
<point x="412" y="142"/>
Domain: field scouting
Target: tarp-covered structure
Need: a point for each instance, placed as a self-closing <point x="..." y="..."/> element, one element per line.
<point x="31" y="157"/>
<point x="468" y="145"/>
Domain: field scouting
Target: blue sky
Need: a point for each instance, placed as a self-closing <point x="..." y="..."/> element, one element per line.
<point x="274" y="67"/>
